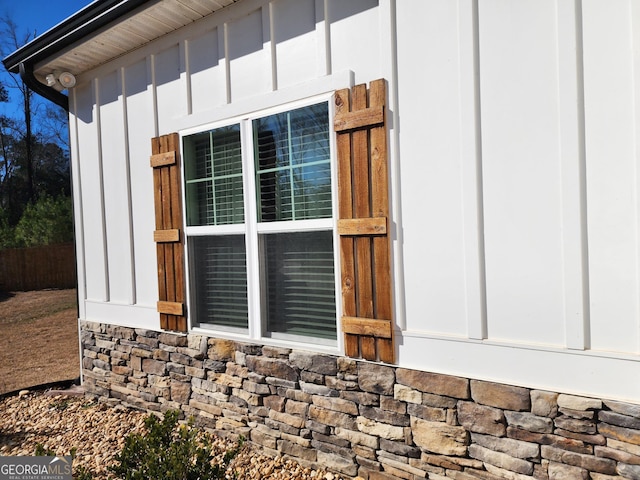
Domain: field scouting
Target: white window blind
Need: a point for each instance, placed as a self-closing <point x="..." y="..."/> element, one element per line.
<point x="214" y="177"/>
<point x="220" y="280"/>
<point x="299" y="283"/>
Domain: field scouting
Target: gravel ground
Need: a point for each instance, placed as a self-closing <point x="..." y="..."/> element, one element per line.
<point x="97" y="431"/>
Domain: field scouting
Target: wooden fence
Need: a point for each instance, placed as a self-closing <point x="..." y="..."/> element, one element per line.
<point x="37" y="268"/>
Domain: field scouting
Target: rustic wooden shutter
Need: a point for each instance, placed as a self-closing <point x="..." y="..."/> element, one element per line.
<point x="165" y="161"/>
<point x="363" y="221"/>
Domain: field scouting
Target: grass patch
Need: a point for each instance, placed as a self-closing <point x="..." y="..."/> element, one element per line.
<point x="21" y="307"/>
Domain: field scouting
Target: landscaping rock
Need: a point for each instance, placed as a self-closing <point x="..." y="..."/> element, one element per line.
<point x="62" y="422"/>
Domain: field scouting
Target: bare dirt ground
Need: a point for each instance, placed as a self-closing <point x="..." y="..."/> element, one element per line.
<point x="38" y="338"/>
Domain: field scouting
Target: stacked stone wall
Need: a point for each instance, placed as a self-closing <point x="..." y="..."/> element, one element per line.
<point x="363" y="419"/>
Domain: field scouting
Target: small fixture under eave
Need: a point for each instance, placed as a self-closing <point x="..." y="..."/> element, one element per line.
<point x="60" y="80"/>
<point x="66" y="79"/>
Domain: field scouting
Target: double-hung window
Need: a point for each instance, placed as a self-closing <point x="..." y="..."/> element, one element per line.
<point x="260" y="226"/>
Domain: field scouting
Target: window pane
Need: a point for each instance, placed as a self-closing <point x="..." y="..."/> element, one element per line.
<point x="293" y="173"/>
<point x="220" y="280"/>
<point x="299" y="283"/>
<point x="213" y="175"/>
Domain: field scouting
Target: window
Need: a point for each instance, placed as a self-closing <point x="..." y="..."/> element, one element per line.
<point x="260" y="228"/>
<point x="261" y="235"/>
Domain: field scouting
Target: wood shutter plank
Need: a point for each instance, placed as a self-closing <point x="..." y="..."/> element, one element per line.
<point x="380" y="206"/>
<point x="345" y="209"/>
<point x="361" y="195"/>
<point x="157" y="193"/>
<point x="368" y="347"/>
<point x="167" y="250"/>
<point x="173" y="145"/>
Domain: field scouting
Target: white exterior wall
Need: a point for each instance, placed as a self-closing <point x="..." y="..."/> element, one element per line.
<point x="253" y="55"/>
<point x="520" y="240"/>
<point x="514" y="168"/>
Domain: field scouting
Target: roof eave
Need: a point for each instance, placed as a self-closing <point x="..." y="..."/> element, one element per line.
<point x="88" y="20"/>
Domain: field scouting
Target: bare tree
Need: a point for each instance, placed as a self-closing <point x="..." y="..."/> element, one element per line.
<point x="29" y="130"/>
<point x="10" y="41"/>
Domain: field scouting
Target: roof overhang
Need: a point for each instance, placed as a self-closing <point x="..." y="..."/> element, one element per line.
<point x="100" y="32"/>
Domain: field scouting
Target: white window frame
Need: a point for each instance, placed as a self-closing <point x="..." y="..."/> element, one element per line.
<point x="251" y="230"/>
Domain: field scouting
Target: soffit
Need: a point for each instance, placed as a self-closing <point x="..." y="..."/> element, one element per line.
<point x="129" y="33"/>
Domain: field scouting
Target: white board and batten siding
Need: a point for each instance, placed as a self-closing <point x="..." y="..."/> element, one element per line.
<point x="253" y="55"/>
<point x="514" y="168"/>
<point x="520" y="239"/>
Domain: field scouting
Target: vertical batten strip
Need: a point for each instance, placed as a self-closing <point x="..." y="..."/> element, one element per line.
<point x="573" y="167"/>
<point x="78" y="206"/>
<point x="635" y="33"/>
<point x="183" y="77"/>
<point x="225" y="57"/>
<point x="268" y="32"/>
<point x="323" y="51"/>
<point x="471" y="169"/>
<point x="103" y="218"/>
<point x="186" y="54"/>
<point x="151" y="75"/>
<point x="327" y="36"/>
<point x="78" y="210"/>
<point x="127" y="162"/>
<point x="397" y="267"/>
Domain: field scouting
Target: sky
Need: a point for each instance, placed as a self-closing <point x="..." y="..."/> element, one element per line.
<point x="34" y="16"/>
<point x="40" y="15"/>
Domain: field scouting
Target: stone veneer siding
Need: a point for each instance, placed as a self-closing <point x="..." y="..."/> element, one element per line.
<point x="358" y="418"/>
